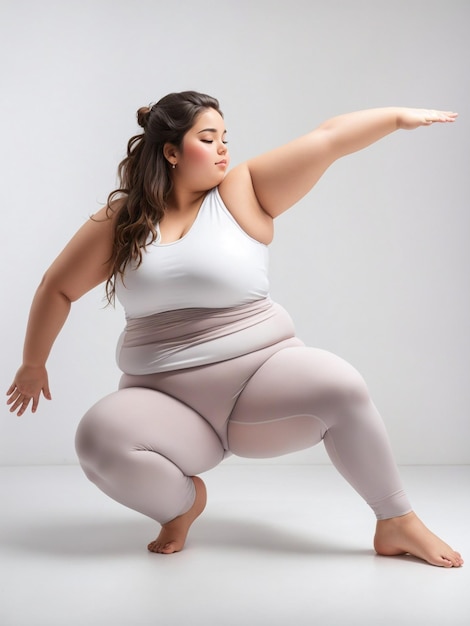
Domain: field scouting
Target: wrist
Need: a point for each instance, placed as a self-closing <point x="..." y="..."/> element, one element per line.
<point x="397" y="117"/>
<point x="30" y="364"/>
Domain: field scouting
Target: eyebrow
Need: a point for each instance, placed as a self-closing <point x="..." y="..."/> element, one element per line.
<point x="210" y="130"/>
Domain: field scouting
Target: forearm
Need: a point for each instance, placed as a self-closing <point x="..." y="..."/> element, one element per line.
<point x="49" y="311"/>
<point x="354" y="131"/>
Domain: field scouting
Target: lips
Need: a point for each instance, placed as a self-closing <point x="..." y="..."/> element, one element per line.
<point x="223" y="162"/>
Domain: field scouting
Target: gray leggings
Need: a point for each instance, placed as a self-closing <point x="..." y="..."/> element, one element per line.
<point x="141" y="443"/>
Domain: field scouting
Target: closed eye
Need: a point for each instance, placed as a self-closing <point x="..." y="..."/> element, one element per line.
<point x="212" y="141"/>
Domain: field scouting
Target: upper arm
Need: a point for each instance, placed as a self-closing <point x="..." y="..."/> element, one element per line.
<point x="286" y="174"/>
<point x="239" y="197"/>
<point x="262" y="188"/>
<point x="84" y="262"/>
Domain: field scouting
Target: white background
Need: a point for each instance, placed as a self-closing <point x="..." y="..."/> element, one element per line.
<point x="373" y="264"/>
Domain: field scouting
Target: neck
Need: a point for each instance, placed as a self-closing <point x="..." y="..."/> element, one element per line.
<point x="182" y="200"/>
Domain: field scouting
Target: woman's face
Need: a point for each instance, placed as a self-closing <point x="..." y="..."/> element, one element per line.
<point x="203" y="159"/>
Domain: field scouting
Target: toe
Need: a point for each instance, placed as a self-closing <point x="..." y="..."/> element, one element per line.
<point x="450" y="560"/>
<point x="153" y="546"/>
<point x="457" y="560"/>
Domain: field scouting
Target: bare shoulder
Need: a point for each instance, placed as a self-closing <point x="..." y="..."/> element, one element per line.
<point x="239" y="197"/>
<point x="100" y="226"/>
<point x="84" y="263"/>
<point x="108" y="214"/>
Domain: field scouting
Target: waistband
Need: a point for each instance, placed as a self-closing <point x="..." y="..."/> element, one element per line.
<point x="197" y="336"/>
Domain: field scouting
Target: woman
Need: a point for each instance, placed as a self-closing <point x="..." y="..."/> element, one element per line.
<point x="211" y="366"/>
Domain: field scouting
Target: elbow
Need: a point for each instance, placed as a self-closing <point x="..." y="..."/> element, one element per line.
<point x="326" y="144"/>
<point x="49" y="288"/>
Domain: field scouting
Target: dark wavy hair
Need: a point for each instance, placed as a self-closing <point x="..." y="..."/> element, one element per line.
<point x="144" y="177"/>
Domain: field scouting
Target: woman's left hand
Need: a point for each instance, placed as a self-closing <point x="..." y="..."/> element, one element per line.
<point x="409" y="119"/>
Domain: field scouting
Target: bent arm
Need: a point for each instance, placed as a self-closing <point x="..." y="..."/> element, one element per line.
<point x="283" y="176"/>
<point x="81" y="266"/>
<point x="49" y="311"/>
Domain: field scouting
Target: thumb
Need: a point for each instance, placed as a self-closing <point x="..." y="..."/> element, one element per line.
<point x="46" y="392"/>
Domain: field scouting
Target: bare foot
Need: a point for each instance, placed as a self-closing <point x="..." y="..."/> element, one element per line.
<point x="408" y="535"/>
<point x="173" y="534"/>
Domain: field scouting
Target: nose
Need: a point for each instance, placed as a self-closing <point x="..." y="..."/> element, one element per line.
<point x="222" y="148"/>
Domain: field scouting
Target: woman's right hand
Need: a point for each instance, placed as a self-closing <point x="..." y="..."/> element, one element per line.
<point x="29" y="382"/>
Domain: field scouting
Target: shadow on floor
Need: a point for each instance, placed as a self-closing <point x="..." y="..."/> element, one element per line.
<point x="87" y="537"/>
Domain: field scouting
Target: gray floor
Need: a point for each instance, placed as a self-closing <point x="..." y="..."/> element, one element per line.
<point x="277" y="545"/>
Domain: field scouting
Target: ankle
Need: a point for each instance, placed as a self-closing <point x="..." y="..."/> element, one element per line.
<point x="397" y="520"/>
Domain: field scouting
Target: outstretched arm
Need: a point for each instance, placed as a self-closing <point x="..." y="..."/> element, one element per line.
<point x="283" y="176"/>
<point x="82" y="265"/>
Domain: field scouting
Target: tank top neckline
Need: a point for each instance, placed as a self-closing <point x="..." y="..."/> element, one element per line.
<point x="158" y="241"/>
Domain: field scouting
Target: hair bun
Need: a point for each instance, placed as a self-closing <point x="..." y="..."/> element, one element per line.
<point x="143" y="116"/>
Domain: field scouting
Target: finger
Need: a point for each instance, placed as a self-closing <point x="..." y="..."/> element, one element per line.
<point x="14" y="396"/>
<point x="47" y="392"/>
<point x="21" y="403"/>
<point x="15" y="406"/>
<point x="23" y="407"/>
<point x="450" y="117"/>
<point x="35" y="404"/>
<point x="11" y="389"/>
<point x="440" y="116"/>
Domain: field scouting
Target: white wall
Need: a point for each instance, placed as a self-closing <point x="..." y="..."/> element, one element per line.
<point x="372" y="265"/>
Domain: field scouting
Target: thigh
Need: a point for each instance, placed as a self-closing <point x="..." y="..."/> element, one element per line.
<point x="290" y="402"/>
<point x="137" y="419"/>
<point x="211" y="390"/>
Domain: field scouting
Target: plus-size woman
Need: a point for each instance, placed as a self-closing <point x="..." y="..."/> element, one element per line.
<point x="211" y="366"/>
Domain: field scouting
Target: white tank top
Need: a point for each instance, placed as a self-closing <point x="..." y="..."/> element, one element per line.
<point x="215" y="265"/>
<point x="199" y="300"/>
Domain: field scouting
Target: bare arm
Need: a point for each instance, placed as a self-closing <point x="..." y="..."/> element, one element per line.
<point x="81" y="266"/>
<point x="283" y="176"/>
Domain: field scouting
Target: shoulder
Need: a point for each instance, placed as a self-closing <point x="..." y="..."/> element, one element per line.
<point x="238" y="195"/>
<point x="102" y="224"/>
<point x="85" y="261"/>
<point x="109" y="214"/>
<point x="96" y="236"/>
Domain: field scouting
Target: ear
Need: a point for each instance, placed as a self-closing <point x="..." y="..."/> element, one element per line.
<point x="170" y="152"/>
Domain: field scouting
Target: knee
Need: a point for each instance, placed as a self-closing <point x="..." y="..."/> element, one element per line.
<point x="354" y="387"/>
<point x="85" y="447"/>
<point x="346" y="385"/>
<point x="92" y="445"/>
